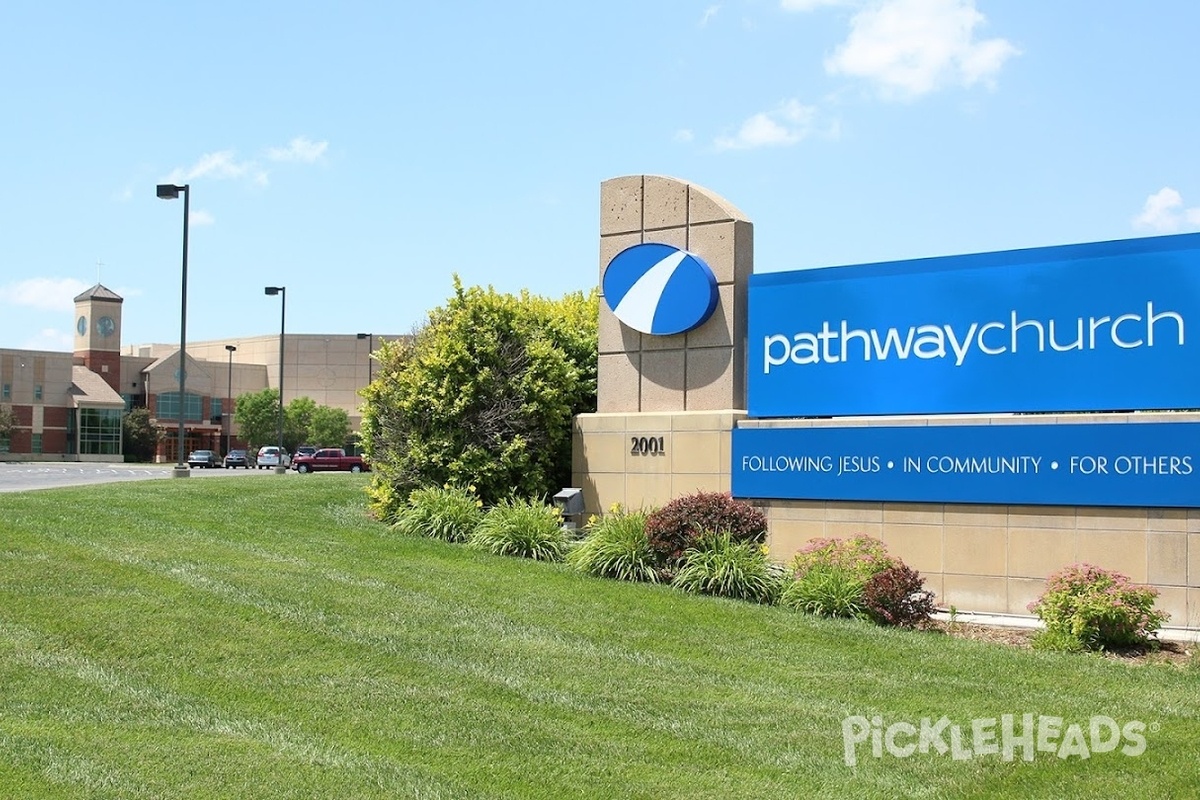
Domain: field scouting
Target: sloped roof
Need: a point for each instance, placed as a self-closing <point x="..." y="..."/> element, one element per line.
<point x="100" y="292"/>
<point x="88" y="388"/>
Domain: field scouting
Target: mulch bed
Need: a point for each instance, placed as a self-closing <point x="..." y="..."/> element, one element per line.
<point x="1163" y="652"/>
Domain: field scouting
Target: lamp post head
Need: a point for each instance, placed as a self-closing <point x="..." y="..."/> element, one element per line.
<point x="230" y="348"/>
<point x="273" y="289"/>
<point x="364" y="335"/>
<point x="169" y="191"/>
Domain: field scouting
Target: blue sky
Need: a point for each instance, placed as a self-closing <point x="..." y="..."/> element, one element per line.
<point x="360" y="153"/>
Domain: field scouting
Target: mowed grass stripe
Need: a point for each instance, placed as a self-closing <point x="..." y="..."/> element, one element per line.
<point x="278" y="631"/>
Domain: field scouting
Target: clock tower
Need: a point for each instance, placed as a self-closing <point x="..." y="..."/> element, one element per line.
<point x="98" y="333"/>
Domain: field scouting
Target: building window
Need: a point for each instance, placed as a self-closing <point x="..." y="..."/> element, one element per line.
<point x="100" y="431"/>
<point x="168" y="406"/>
<point x="214" y="408"/>
<point x="37" y="443"/>
<point x="37" y="393"/>
<point x="6" y="394"/>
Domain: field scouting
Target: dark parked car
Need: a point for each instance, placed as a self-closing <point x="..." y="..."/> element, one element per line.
<point x="237" y="458"/>
<point x="203" y="458"/>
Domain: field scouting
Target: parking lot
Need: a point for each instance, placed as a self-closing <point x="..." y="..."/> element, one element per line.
<point x="28" y="476"/>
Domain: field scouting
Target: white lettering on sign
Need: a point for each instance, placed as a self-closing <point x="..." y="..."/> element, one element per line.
<point x="837" y="343"/>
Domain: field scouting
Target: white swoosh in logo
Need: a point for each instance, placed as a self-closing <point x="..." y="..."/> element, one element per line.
<point x="637" y="307"/>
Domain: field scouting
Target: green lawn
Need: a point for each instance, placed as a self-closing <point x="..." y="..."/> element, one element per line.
<point x="263" y="639"/>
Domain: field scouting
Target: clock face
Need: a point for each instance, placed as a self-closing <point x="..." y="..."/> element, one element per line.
<point x="81" y="326"/>
<point x="105" y="326"/>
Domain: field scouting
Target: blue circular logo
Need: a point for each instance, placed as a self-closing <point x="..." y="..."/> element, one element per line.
<point x="659" y="289"/>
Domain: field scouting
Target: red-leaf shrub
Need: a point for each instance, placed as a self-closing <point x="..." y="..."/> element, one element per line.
<point x="897" y="596"/>
<point x="679" y="524"/>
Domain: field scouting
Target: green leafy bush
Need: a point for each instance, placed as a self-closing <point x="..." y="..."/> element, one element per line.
<point x="1100" y="608"/>
<point x="680" y="524"/>
<point x="721" y="565"/>
<point x="897" y="596"/>
<point x="525" y="528"/>
<point x="826" y="590"/>
<point x="483" y="393"/>
<point x="616" y="546"/>
<point x="449" y="513"/>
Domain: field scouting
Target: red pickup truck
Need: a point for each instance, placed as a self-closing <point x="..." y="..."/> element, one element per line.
<point x="329" y="459"/>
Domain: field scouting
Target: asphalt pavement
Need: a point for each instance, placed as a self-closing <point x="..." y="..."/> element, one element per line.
<point x="31" y="475"/>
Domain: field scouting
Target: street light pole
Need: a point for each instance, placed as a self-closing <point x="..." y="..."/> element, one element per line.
<point x="280" y="468"/>
<point x="227" y="418"/>
<point x="169" y="191"/>
<point x="370" y="337"/>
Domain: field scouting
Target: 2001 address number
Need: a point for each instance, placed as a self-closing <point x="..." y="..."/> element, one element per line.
<point x="647" y="446"/>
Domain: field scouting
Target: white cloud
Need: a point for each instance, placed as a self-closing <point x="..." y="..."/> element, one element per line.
<point x="790" y="122"/>
<point x="201" y="218"/>
<point x="684" y="135"/>
<point x="709" y="13"/>
<point x="221" y="165"/>
<point x="225" y="165"/>
<point x="808" y="5"/>
<point x="44" y="294"/>
<point x="912" y="47"/>
<point x="1163" y="211"/>
<point x="299" y="149"/>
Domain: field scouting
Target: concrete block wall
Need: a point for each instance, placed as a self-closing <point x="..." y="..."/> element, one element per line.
<point x="694" y="455"/>
<point x="995" y="559"/>
<point x="702" y="370"/>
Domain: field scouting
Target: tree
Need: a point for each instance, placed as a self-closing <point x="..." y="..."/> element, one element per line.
<point x="257" y="416"/>
<point x="482" y="395"/>
<point x="304" y="422"/>
<point x="297" y="420"/>
<point x="139" y="438"/>
<point x="8" y="423"/>
<point x="328" y="427"/>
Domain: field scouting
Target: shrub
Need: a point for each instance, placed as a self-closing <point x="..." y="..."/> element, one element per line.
<point x="449" y="513"/>
<point x="680" y="524"/>
<point x="897" y="596"/>
<point x="857" y="578"/>
<point x="525" y="528"/>
<point x="616" y="546"/>
<point x="723" y="566"/>
<point x="484" y="393"/>
<point x="1100" y="608"/>
<point x="826" y="590"/>
<point x="860" y="556"/>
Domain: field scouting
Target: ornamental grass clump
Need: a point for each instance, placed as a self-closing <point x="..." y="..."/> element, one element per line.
<point x="1097" y="608"/>
<point x="825" y="591"/>
<point x="723" y="566"/>
<point x="524" y="528"/>
<point x="616" y="546"/>
<point x="449" y="513"/>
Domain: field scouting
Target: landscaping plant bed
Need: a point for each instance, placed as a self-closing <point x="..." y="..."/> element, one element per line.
<point x="1161" y="652"/>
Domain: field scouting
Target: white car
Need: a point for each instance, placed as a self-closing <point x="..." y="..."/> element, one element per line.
<point x="271" y="456"/>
